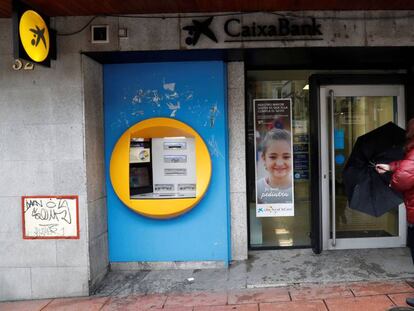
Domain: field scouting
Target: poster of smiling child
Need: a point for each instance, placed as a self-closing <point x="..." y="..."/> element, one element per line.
<point x="274" y="157"/>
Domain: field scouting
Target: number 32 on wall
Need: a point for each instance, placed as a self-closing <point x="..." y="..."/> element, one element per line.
<point x="18" y="65"/>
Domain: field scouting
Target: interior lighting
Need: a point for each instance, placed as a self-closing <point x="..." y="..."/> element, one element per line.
<point x="281" y="231"/>
<point x="285" y="242"/>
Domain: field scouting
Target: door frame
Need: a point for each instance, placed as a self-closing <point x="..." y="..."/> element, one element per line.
<point x="315" y="82"/>
<point x="355" y="90"/>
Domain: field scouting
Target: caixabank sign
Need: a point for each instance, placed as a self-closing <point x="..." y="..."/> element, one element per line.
<point x="281" y="29"/>
<point x="234" y="29"/>
<point x="34" y="41"/>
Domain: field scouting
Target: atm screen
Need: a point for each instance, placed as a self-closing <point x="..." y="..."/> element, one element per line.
<point x="140" y="167"/>
<point x="139" y="177"/>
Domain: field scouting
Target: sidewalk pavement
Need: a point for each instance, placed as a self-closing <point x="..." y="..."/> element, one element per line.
<point x="347" y="296"/>
<point x="291" y="280"/>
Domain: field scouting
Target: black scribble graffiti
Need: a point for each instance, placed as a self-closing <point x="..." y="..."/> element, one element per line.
<point x="32" y="203"/>
<point x="51" y="211"/>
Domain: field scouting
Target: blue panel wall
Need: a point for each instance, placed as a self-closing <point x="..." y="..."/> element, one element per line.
<point x="194" y="93"/>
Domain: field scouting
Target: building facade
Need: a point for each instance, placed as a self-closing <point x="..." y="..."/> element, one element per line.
<point x="333" y="75"/>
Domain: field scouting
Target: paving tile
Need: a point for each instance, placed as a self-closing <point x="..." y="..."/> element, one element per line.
<point x="378" y="288"/>
<point x="399" y="299"/>
<point x="410" y="282"/>
<point x="259" y="295"/>
<point x="75" y="304"/>
<point x="316" y="305"/>
<point x="314" y="292"/>
<point x="245" y="307"/>
<point x="173" y="309"/>
<point x="370" y="303"/>
<point x="30" y="305"/>
<point x="135" y="302"/>
<point x="196" y="299"/>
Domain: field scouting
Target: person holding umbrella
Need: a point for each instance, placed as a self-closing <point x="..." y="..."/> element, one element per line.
<point x="402" y="180"/>
<point x="367" y="191"/>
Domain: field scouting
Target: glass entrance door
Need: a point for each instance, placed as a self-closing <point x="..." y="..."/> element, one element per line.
<point x="347" y="112"/>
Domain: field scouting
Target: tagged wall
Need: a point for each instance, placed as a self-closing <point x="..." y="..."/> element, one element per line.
<point x="194" y="93"/>
<point x="41" y="153"/>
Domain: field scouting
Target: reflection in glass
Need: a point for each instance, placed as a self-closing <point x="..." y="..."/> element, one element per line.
<point x="353" y="117"/>
<point x="281" y="231"/>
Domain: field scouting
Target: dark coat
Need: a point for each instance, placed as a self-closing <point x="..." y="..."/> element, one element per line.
<point x="403" y="181"/>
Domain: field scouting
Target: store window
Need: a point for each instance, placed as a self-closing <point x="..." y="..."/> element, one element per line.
<point x="267" y="91"/>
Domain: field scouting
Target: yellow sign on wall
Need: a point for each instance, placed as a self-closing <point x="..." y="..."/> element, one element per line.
<point x="34" y="41"/>
<point x="34" y="35"/>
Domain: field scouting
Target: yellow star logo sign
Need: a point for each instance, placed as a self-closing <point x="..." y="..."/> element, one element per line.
<point x="34" y="35"/>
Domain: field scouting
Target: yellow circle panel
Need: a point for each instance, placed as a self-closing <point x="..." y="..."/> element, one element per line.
<point x="119" y="168"/>
<point x="34" y="35"/>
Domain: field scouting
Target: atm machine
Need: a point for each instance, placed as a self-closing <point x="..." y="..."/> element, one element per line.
<point x="162" y="168"/>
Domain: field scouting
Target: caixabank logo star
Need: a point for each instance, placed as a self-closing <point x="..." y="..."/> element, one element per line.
<point x="199" y="28"/>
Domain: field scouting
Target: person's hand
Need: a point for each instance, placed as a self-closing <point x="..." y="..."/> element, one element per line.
<point x="382" y="168"/>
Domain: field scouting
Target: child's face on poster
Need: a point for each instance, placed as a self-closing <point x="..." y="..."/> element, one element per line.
<point x="278" y="159"/>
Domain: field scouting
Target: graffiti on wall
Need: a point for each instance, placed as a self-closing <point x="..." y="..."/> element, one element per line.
<point x="50" y="217"/>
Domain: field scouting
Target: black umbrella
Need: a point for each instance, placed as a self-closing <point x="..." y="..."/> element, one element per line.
<point x="368" y="191"/>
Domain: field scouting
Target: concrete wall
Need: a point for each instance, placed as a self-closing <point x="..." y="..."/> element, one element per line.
<point x="350" y="28"/>
<point x="95" y="168"/>
<point x="41" y="153"/>
<point x="51" y="143"/>
<point x="237" y="153"/>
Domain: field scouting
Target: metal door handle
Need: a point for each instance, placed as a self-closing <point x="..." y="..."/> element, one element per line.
<point x="332" y="164"/>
